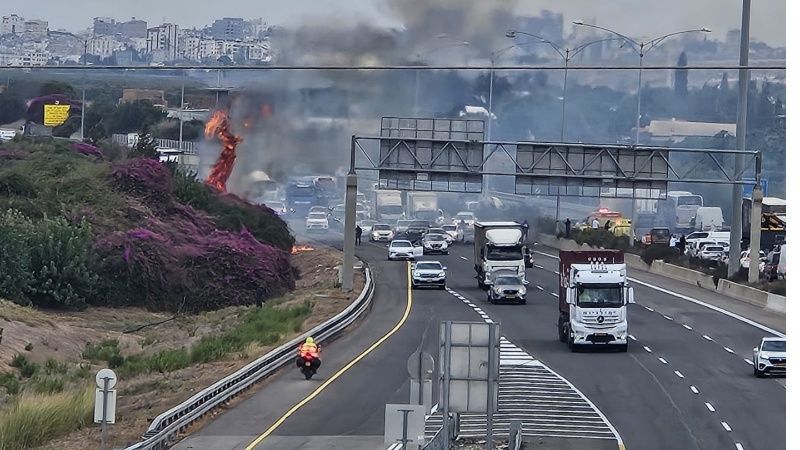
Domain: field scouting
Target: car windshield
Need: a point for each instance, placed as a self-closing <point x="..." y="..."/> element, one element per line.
<point x="504" y="253"/>
<point x="434" y="237"/>
<point x="403" y="223"/>
<point x="317" y="216"/>
<point x="774" y="346"/>
<point x="450" y="228"/>
<point x="368" y="223"/>
<point x="401" y="244"/>
<point x="419" y="224"/>
<point x="381" y="227"/>
<point x="599" y="296"/>
<point x="428" y="266"/>
<point x="507" y="281"/>
<point x="465" y="216"/>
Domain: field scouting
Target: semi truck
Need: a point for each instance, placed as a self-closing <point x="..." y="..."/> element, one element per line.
<point x="593" y="295"/>
<point x="425" y="206"/>
<point x="328" y="194"/>
<point x="388" y="205"/>
<point x="300" y="197"/>
<point x="498" y="246"/>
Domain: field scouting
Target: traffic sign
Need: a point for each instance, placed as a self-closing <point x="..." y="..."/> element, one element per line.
<point x="55" y="115"/>
<point x="414" y="366"/>
<point x="99" y="379"/>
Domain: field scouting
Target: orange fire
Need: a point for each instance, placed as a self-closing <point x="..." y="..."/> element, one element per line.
<point x="220" y="126"/>
<point x="301" y="248"/>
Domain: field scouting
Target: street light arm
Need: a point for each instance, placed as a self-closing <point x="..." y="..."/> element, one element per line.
<point x="561" y="51"/>
<point x="630" y="41"/>
<point x="575" y="51"/>
<point x="654" y="42"/>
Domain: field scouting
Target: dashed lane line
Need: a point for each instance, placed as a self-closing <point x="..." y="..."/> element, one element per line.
<point x="694" y="390"/>
<point x="726" y="426"/>
<point x="679" y="374"/>
<point x="647" y="349"/>
<point x="687" y="327"/>
<point x="663" y="361"/>
<point x="710" y="407"/>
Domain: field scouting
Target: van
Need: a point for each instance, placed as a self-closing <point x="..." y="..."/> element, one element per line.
<point x="782" y="263"/>
<point x="708" y="218"/>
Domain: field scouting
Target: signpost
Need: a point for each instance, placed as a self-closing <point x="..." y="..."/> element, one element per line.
<point x="420" y="369"/>
<point x="747" y="189"/>
<point x="470" y="370"/>
<point x="55" y="115"/>
<point x="412" y="418"/>
<point x="105" y="401"/>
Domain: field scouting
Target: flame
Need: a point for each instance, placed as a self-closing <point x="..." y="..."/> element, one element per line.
<point x="219" y="126"/>
<point x="301" y="248"/>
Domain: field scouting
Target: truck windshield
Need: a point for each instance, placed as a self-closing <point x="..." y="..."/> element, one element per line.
<point x="427" y="215"/>
<point x="390" y="209"/>
<point x="301" y="191"/>
<point x="511" y="253"/>
<point x="599" y="296"/>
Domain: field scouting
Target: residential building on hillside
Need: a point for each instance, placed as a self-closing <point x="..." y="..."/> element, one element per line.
<point x="133" y="28"/>
<point x="162" y="42"/>
<point x="12" y="24"/>
<point x="228" y="29"/>
<point x="36" y="29"/>
<point x="104" y="26"/>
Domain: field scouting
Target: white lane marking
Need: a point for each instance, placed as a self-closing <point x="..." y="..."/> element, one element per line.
<point x="545" y="254"/>
<point x="748" y="361"/>
<point x="707" y="337"/>
<point x="729" y="350"/>
<point x="554" y="294"/>
<point x="663" y="361"/>
<point x="711" y="307"/>
<point x="726" y="426"/>
<point x="539" y="288"/>
<point x="647" y="349"/>
<point x="464" y="258"/>
<point x="649" y="308"/>
<point x="632" y="337"/>
<point x="667" y="317"/>
<point x="739" y="446"/>
<point x="687" y="327"/>
<point x="679" y="374"/>
<point x="710" y="407"/>
<point x="556" y="272"/>
<point x="694" y="389"/>
<point x="538" y="266"/>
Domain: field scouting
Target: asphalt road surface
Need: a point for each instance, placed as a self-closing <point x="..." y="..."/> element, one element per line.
<point x="686" y="381"/>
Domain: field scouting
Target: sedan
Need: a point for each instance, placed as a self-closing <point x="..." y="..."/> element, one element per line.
<point x="428" y="273"/>
<point x="712" y="252"/>
<point x="381" y="232"/>
<point x="456" y="234"/>
<point x="402" y="249"/>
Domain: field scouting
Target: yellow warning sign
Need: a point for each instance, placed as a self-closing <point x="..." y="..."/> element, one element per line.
<point x="55" y="115"/>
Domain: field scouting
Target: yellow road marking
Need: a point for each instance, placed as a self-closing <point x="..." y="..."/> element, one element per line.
<point x="341" y="371"/>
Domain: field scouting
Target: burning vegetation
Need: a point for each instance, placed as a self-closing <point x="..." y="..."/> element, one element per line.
<point x="301" y="248"/>
<point x="219" y="126"/>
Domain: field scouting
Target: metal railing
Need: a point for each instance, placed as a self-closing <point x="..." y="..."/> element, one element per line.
<point x="440" y="441"/>
<point x="166" y="426"/>
<point x="187" y="147"/>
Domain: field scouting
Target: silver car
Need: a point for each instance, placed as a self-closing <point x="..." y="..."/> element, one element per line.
<point x="507" y="286"/>
<point x="428" y="273"/>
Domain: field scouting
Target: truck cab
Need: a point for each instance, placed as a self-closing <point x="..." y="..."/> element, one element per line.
<point x="498" y="246"/>
<point x="593" y="298"/>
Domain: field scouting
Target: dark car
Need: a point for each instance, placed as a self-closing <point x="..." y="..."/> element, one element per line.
<point x="660" y="236"/>
<point x="417" y="229"/>
<point x="507" y="286"/>
<point x="435" y="243"/>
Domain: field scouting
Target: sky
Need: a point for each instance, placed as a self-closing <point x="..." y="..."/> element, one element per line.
<point x="636" y="18"/>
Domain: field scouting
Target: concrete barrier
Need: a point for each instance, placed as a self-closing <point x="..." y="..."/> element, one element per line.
<point x="776" y="303"/>
<point x="756" y="297"/>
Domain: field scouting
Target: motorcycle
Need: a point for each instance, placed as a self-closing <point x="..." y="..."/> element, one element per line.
<point x="308" y="366"/>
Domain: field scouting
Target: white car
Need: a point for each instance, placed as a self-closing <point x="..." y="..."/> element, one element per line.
<point x="402" y="249"/>
<point x="456" y="234"/>
<point x="428" y="273"/>
<point x="317" y="222"/>
<point x="712" y="252"/>
<point x="770" y="357"/>
<point x="744" y="261"/>
<point x="466" y="216"/>
<point x="381" y="232"/>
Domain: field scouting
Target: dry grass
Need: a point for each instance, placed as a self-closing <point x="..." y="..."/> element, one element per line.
<point x="143" y="397"/>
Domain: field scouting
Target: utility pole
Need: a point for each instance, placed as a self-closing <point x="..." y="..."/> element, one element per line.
<point x="83" y="93"/>
<point x="741" y="135"/>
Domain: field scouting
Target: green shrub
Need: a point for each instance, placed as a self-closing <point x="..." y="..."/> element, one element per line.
<point x="49" y="385"/>
<point x="104" y="351"/>
<point x="664" y="253"/>
<point x="167" y="361"/>
<point x="15" y="277"/>
<point x="600" y="238"/>
<point x="10" y="383"/>
<point x="62" y="264"/>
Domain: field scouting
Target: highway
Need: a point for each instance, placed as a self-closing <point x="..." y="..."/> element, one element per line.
<point x="685" y="383"/>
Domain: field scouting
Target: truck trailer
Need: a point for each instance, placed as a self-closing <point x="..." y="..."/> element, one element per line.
<point x="424" y="206"/>
<point x="593" y="295"/>
<point x="498" y="245"/>
<point x="388" y="206"/>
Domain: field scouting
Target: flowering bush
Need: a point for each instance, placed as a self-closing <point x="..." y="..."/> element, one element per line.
<point x="142" y="178"/>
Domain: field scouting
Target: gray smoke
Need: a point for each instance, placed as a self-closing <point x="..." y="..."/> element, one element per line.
<point x="299" y="138"/>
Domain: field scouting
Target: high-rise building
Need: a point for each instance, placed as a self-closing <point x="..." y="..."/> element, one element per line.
<point x="133" y="28"/>
<point x="162" y="42"/>
<point x="36" y="29"/>
<point x="12" y="24"/>
<point x="228" y="29"/>
<point x="104" y="26"/>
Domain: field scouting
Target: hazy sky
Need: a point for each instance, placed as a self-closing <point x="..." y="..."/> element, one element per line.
<point x="636" y="18"/>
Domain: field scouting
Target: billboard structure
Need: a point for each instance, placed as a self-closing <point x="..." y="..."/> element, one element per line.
<point x="431" y="154"/>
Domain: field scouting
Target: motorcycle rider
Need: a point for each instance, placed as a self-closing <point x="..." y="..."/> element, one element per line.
<point x="308" y="348"/>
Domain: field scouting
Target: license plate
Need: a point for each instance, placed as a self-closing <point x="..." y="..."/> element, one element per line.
<point x="308" y="363"/>
<point x="601" y="334"/>
<point x="780" y="365"/>
<point x="510" y="295"/>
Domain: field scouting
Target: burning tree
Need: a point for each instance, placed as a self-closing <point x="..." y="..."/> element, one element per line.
<point x="219" y="126"/>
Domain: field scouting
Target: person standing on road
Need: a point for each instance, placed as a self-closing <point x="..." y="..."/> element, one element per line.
<point x="525" y="230"/>
<point x="358" y="235"/>
<point x="595" y="224"/>
<point x="568" y="226"/>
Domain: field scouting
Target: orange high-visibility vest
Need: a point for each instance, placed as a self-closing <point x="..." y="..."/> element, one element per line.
<point x="309" y="349"/>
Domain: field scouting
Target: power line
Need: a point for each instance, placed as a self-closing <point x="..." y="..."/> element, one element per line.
<point x="388" y="67"/>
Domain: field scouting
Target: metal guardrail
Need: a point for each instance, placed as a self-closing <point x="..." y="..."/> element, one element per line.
<point x="188" y="147"/>
<point x="166" y="426"/>
<point x="440" y="441"/>
<point x="515" y="436"/>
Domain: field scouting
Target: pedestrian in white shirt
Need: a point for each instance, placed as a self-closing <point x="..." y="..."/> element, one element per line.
<point x="595" y="223"/>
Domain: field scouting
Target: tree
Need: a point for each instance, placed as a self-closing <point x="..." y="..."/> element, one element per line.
<point x="12" y="108"/>
<point x="57" y="87"/>
<point x="682" y="77"/>
<point x="146" y="146"/>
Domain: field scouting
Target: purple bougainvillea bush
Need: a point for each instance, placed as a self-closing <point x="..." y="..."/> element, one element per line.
<point x="143" y="178"/>
<point x="184" y="264"/>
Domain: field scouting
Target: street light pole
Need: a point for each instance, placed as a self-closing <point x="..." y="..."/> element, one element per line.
<point x="639" y="96"/>
<point x="741" y="135"/>
<point x="564" y="96"/>
<point x="183" y="91"/>
<point x="83" y="91"/>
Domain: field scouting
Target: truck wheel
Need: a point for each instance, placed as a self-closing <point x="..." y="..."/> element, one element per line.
<point x="571" y="345"/>
<point x="563" y="332"/>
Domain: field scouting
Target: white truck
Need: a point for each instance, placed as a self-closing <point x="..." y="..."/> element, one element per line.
<point x="593" y="296"/>
<point x="424" y="206"/>
<point x="498" y="246"/>
<point x="388" y="205"/>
